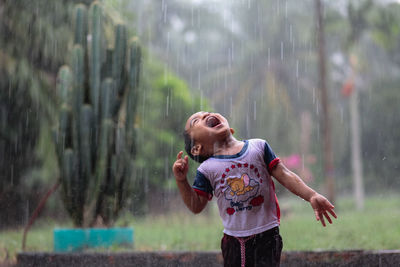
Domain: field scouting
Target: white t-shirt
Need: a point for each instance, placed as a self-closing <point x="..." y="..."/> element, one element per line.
<point x="243" y="187"/>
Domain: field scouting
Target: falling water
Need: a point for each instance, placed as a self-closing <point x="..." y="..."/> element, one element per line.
<point x="253" y="61"/>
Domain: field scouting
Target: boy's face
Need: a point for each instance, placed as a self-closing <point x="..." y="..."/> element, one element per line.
<point x="206" y="129"/>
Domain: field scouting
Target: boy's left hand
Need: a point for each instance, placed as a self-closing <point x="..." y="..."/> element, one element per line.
<point x="321" y="208"/>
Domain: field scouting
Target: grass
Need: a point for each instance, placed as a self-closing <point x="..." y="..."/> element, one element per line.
<point x="377" y="227"/>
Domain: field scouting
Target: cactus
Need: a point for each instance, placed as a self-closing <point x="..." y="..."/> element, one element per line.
<point x="95" y="132"/>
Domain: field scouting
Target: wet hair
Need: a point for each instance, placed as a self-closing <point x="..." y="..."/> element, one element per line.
<point x="189" y="143"/>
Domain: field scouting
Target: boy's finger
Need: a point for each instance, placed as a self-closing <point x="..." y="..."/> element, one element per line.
<point x="329" y="204"/>
<point x="321" y="217"/>
<point x="327" y="217"/>
<point x="186" y="158"/>
<point x="332" y="212"/>
<point x="179" y="156"/>
<point x="316" y="215"/>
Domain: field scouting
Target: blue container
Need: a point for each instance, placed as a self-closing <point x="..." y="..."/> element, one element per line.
<point x="68" y="240"/>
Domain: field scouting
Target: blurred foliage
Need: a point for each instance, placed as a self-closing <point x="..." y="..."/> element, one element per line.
<point x="381" y="135"/>
<point x="34" y="39"/>
<point x="386" y="25"/>
<point x="256" y="63"/>
<point x="164" y="105"/>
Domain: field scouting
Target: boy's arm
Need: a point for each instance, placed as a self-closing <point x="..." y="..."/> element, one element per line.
<point x="192" y="200"/>
<point x="295" y="184"/>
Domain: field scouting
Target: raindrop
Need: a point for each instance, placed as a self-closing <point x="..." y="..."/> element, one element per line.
<point x="231" y="107"/>
<point x="146" y="182"/>
<point x="167" y="45"/>
<point x="224" y="17"/>
<point x="247" y="125"/>
<point x="167" y="106"/>
<point x="198" y="18"/>
<point x="26" y="217"/>
<point x="229" y="58"/>
<point x="12" y="175"/>
<point x="281" y="51"/>
<point x="232" y="51"/>
<point x="286" y="9"/>
<point x="165" y="13"/>
<point x="165" y="74"/>
<point x="27" y="120"/>
<point x="255" y="111"/>
<point x="166" y="167"/>
<point x="144" y="107"/>
<point x="313" y="95"/>
<point x="207" y="60"/>
<point x="278" y="7"/>
<point x="201" y="100"/>
<point x="199" y="79"/>
<point x="177" y="62"/>
<point x="341" y="115"/>
<point x="226" y="80"/>
<point x="192" y="16"/>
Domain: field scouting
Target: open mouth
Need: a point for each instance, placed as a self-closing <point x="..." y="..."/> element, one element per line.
<point x="212" y="121"/>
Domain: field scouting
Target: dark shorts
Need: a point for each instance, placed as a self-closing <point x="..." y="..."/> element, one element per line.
<point x="262" y="249"/>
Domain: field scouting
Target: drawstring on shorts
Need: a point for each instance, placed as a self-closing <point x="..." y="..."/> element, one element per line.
<point x="242" y="242"/>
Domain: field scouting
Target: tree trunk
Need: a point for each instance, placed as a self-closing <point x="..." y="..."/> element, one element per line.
<point x="356" y="161"/>
<point x="325" y="117"/>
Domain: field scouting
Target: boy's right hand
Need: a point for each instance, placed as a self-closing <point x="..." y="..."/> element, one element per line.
<point x="180" y="167"/>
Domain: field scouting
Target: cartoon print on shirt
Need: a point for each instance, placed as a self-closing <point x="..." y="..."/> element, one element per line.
<point x="239" y="186"/>
<point x="242" y="192"/>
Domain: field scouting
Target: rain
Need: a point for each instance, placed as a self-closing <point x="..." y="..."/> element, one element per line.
<point x="95" y="95"/>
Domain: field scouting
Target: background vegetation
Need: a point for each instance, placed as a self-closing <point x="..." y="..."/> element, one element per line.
<point x="253" y="61"/>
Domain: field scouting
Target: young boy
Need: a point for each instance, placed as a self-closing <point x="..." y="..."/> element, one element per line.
<point x="238" y="174"/>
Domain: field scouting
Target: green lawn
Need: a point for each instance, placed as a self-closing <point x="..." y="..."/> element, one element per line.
<point x="377" y="227"/>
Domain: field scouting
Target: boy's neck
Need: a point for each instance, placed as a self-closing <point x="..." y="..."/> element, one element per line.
<point x="230" y="146"/>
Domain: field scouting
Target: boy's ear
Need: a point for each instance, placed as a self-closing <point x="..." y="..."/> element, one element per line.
<point x="196" y="149"/>
<point x="232" y="131"/>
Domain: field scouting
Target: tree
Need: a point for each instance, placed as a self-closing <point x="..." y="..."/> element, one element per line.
<point x="325" y="103"/>
<point x="165" y="99"/>
<point x="95" y="135"/>
<point x="240" y="54"/>
<point x="380" y="125"/>
<point x="378" y="101"/>
<point x="245" y="57"/>
<point x="358" y="23"/>
<point x="34" y="38"/>
<point x="165" y="104"/>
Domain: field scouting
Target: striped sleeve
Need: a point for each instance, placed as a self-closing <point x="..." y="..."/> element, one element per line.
<point x="202" y="186"/>
<point x="270" y="159"/>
